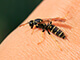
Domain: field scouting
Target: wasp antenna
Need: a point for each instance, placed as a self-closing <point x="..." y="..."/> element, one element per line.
<point x="24" y="24"/>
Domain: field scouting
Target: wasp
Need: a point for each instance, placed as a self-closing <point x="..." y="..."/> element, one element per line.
<point x="34" y="23"/>
<point x="40" y="23"/>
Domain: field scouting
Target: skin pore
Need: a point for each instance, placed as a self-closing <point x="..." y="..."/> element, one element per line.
<point x="22" y="45"/>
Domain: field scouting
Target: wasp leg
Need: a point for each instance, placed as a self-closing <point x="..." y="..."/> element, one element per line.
<point x="54" y="40"/>
<point x="62" y="25"/>
<point x="33" y="29"/>
<point x="42" y="37"/>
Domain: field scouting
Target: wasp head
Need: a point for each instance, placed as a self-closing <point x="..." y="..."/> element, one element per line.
<point x="31" y="24"/>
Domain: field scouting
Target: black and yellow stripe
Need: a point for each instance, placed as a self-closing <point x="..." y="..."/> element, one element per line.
<point x="57" y="31"/>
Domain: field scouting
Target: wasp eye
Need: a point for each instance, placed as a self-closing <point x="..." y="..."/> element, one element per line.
<point x="31" y="22"/>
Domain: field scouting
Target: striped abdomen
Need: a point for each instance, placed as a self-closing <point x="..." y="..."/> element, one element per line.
<point x="57" y="31"/>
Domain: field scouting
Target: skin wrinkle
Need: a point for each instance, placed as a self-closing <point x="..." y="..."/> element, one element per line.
<point x="25" y="52"/>
<point x="62" y="57"/>
<point x="77" y="55"/>
<point x="65" y="46"/>
<point x="63" y="53"/>
<point x="68" y="54"/>
<point x="18" y="54"/>
<point x="42" y="52"/>
<point x="50" y="42"/>
<point x="32" y="48"/>
<point x="49" y="52"/>
<point x="43" y="48"/>
<point x="72" y="53"/>
<point x="39" y="51"/>
<point x="57" y="56"/>
<point x="35" y="52"/>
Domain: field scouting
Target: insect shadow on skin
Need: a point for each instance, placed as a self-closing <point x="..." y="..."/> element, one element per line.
<point x="40" y="23"/>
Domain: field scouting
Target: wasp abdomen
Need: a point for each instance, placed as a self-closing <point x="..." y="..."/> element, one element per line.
<point x="57" y="31"/>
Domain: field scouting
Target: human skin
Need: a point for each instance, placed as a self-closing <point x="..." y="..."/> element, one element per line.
<point x="22" y="45"/>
